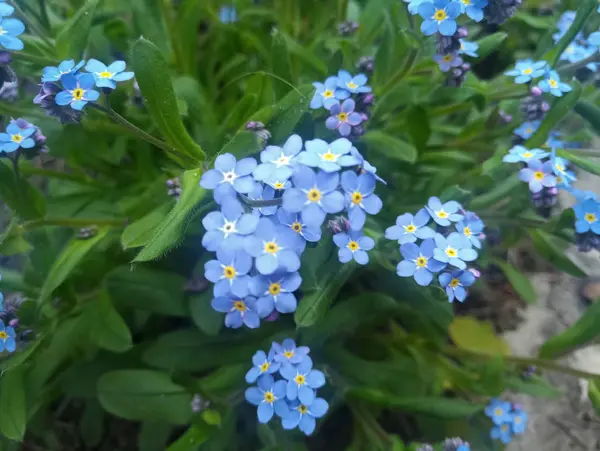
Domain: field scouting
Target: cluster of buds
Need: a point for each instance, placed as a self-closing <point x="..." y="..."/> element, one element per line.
<point x="347" y="28"/>
<point x="499" y="11"/>
<point x="174" y="187"/>
<point x="260" y="130"/>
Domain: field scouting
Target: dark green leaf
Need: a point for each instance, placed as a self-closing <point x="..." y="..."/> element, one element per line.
<point x="154" y="436"/>
<point x="490" y="43"/>
<point x="73" y="37"/>
<point x="205" y="317"/>
<point x="305" y="55"/>
<point x="243" y="144"/>
<point x="13" y="403"/>
<point x="417" y="122"/>
<point x="590" y="113"/>
<point x="140" y="232"/>
<point x="107" y="328"/>
<point x="196" y="434"/>
<point x="22" y="198"/>
<point x="91" y="423"/>
<point x="553" y="250"/>
<point x="519" y="281"/>
<point x="533" y="386"/>
<point x="280" y="65"/>
<point x="390" y="147"/>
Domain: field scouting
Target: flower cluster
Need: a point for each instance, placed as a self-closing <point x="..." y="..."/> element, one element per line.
<point x="581" y="47"/>
<point x="439" y="16"/>
<point x="286" y="386"/>
<point x="450" y="444"/>
<point x="11" y="28"/>
<point x="335" y="95"/>
<point x="449" y="55"/>
<point x="587" y="220"/>
<point x="268" y="213"/>
<point x="445" y="250"/>
<point x="528" y="70"/>
<point x="65" y="91"/>
<point x="509" y="420"/>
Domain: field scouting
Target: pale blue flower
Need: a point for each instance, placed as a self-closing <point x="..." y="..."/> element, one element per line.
<point x="228" y="227"/>
<point x="360" y="197"/>
<point x="269" y="396"/>
<point x="521" y="154"/>
<point x="229" y="177"/>
<point x="229" y="272"/>
<point x="455" y="249"/>
<point x="553" y="85"/>
<point x="263" y="364"/>
<point x="275" y="292"/>
<point x="328" y="157"/>
<point x="408" y="228"/>
<point x="527" y="70"/>
<point x="353" y="246"/>
<point x="419" y="262"/>
<point x="527" y="129"/>
<point x="327" y="94"/>
<point x="468" y="48"/>
<point x="443" y="214"/>
<point x="277" y="163"/>
<point x="355" y="85"/>
<point x="439" y="16"/>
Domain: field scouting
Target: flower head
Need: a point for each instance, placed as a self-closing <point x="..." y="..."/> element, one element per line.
<point x="16" y="138"/>
<point x="360" y="197"/>
<point x="538" y="175"/>
<point x="447" y="61"/>
<point x="275" y="292"/>
<point x="587" y="214"/>
<point x="239" y="310"/>
<point x="519" y="421"/>
<point x="108" y="76"/>
<point x="289" y="352"/>
<point x="7" y="338"/>
<point x="526" y="129"/>
<point x="498" y="411"/>
<point x="263" y="365"/>
<point x="304" y="416"/>
<point x="78" y="91"/>
<point x="229" y="272"/>
<point x="408" y="228"/>
<point x="328" y="157"/>
<point x="474" y="8"/>
<point x="419" y="262"/>
<point x="443" y="214"/>
<point x="328" y="94"/>
<point x="522" y="154"/>
<point x="559" y="167"/>
<point x="468" y="48"/>
<point x="229" y="177"/>
<point x="553" y="85"/>
<point x="439" y="16"/>
<point x="277" y="163"/>
<point x="263" y="192"/>
<point x="455" y="249"/>
<point x="228" y="227"/>
<point x="269" y="396"/>
<point x="355" y="85"/>
<point x="455" y="283"/>
<point x="302" y="380"/>
<point x="46" y="98"/>
<point x="10" y="28"/>
<point x="527" y="70"/>
<point x="294" y="222"/>
<point x="502" y="432"/>
<point x="353" y="246"/>
<point x="343" y="117"/>
<point x="52" y="74"/>
<point x="471" y="227"/>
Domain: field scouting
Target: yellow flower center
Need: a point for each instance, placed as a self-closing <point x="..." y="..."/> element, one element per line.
<point x="517" y="420"/>
<point x="302" y="409"/>
<point x="78" y="94"/>
<point x="421" y="262"/>
<point x="527" y="71"/>
<point x="288" y="354"/>
<point x="553" y="83"/>
<point x="353" y="246"/>
<point x="504" y="427"/>
<point x="467" y="231"/>
<point x="466" y="2"/>
<point x="410" y="228"/>
<point x="271" y="247"/>
<point x="229" y="272"/>
<point x="297" y="227"/>
<point x="441" y="214"/>
<point x="278" y="185"/>
<point x="2" y="31"/>
<point x="454" y="283"/>
<point x="328" y="94"/>
<point x="274" y="289"/>
<point x="440" y="15"/>
<point x="16" y="138"/>
<point x="357" y="198"/>
<point x="343" y="117"/>
<point x="240" y="306"/>
<point x="269" y="397"/>
<point x="330" y="156"/>
<point x="300" y="379"/>
<point x="352" y="85"/>
<point x="448" y="58"/>
<point x="451" y="252"/>
<point x="314" y="195"/>
<point x="559" y="167"/>
<point x="265" y="367"/>
<point x="539" y="175"/>
<point x="498" y="412"/>
<point x="590" y="217"/>
<point x="559" y="179"/>
<point x="527" y="154"/>
<point x="3" y="335"/>
<point x="105" y="74"/>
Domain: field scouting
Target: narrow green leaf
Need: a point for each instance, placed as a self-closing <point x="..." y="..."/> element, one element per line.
<point x="305" y="55"/>
<point x="500" y="191"/>
<point x="140" y="232"/>
<point x="417" y="122"/>
<point x="280" y="65"/>
<point x="107" y="328"/>
<point x="533" y="386"/>
<point x="490" y="43"/>
<point x="590" y="113"/>
<point x="154" y="79"/>
<point x="552" y="249"/>
<point x="22" y="197"/>
<point x="73" y="36"/>
<point x="13" y="403"/>
<point x="594" y="394"/>
<point x="192" y="438"/>
<point x="390" y="147"/>
<point x="68" y="260"/>
<point x="171" y="230"/>
<point x="519" y="281"/>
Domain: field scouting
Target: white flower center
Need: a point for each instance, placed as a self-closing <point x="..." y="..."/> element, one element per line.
<point x="228" y="228"/>
<point x="229" y="177"/>
<point x="283" y="160"/>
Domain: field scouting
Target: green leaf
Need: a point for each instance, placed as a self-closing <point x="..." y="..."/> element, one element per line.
<point x="22" y="197"/>
<point x="559" y="110"/>
<point x="107" y="328"/>
<point x="594" y="394"/>
<point x="582" y="162"/>
<point x="204" y="316"/>
<point x="305" y="55"/>
<point x="71" y="256"/>
<point x="13" y="403"/>
<point x="144" y="395"/>
<point x="552" y="250"/>
<point x="390" y="147"/>
<point x="533" y="386"/>
<point x="12" y="241"/>
<point x="154" y="79"/>
<point x="490" y="43"/>
<point x="73" y="36"/>
<point x="196" y="434"/>
<point x="585" y="329"/>
<point x="444" y="408"/>
<point x="147" y="289"/>
<point x="280" y="65"/>
<point x="242" y="145"/>
<point x="470" y="334"/>
<point x="91" y="423"/>
<point x="140" y="232"/>
<point x="417" y="122"/>
<point x="290" y="110"/>
<point x="590" y="113"/>
<point x="500" y="191"/>
<point x="519" y="281"/>
<point x="154" y="436"/>
<point x="171" y="230"/>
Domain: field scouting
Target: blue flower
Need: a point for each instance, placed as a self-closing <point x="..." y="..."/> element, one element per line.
<point x="573" y="53"/>
<point x="15" y="138"/>
<point x="474" y="8"/>
<point x="499" y="412"/>
<point x="275" y="292"/>
<point x="553" y="85"/>
<point x="263" y="365"/>
<point x="527" y="70"/>
<point x="239" y="311"/>
<point x="443" y="214"/>
<point x="328" y="157"/>
<point x="11" y="28"/>
<point x="538" y="175"/>
<point x="364" y="165"/>
<point x="468" y="48"/>
<point x="51" y="73"/>
<point x="302" y="380"/>
<point x="522" y="154"/>
<point x="594" y="39"/>
<point x="294" y="222"/>
<point x="419" y="262"/>
<point x="277" y="163"/>
<point x="229" y="272"/>
<point x="455" y="282"/>
<point x="7" y="338"/>
<point x="269" y="396"/>
<point x="554" y="141"/>
<point x="413" y="5"/>
<point x="470" y="228"/>
<point x="328" y="94"/>
<point x="526" y="129"/>
<point x="263" y="192"/>
<point x="356" y="84"/>
<point x="559" y="167"/>
<point x="502" y="432"/>
<point x="229" y="177"/>
<point x="289" y="352"/>
<point x="273" y="246"/>
<point x="228" y="227"/>
<point x="108" y="76"/>
<point x="439" y="16"/>
<point x="228" y="14"/>
<point x="454" y="249"/>
<point x="313" y="195"/>
<point x="587" y="214"/>
<point x="447" y="61"/>
<point x="304" y="416"/>
<point x="78" y="91"/>
<point x="6" y="9"/>
<point x="408" y="228"/>
<point x="360" y="198"/>
<point x="353" y="245"/>
<point x="519" y="421"/>
<point x="343" y="117"/>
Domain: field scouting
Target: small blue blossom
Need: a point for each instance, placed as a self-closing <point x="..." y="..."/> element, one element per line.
<point x="78" y="91"/>
<point x="408" y="228"/>
<point x="360" y="197"/>
<point x="289" y="352"/>
<point x="304" y="416"/>
<point x="7" y="338"/>
<point x="277" y="163"/>
<point x="327" y="94"/>
<point x="11" y="28"/>
<point x="521" y="154"/>
<point x="275" y="292"/>
<point x="328" y="157"/>
<point x="273" y="246"/>
<point x="108" y="76"/>
<point x="355" y="85"/>
<point x="413" y="6"/>
<point x="353" y="246"/>
<point x="53" y="74"/>
<point x="587" y="214"/>
<point x="239" y="311"/>
<point x="559" y="167"/>
<point x="454" y="249"/>
<point x="498" y="411"/>
<point x="229" y="272"/>
<point x="573" y="53"/>
<point x="527" y="129"/>
<point x="554" y="141"/>
<point x="364" y="165"/>
<point x="228" y="227"/>
<point x="229" y="177"/>
<point x="443" y="214"/>
<point x="455" y="283"/>
<point x="16" y="138"/>
<point x="447" y="61"/>
<point x="419" y="262"/>
<point x="538" y="175"/>
<point x="519" y="421"/>
<point x="294" y="222"/>
<point x="302" y="380"/>
<point x="313" y="195"/>
<point x="269" y="396"/>
<point x="343" y="117"/>
<point x="553" y="85"/>
<point x="262" y="192"/>
<point x="474" y="8"/>
<point x="439" y="16"/>
<point x="263" y="364"/>
<point x="594" y="39"/>
<point x="527" y="70"/>
<point x="502" y="432"/>
<point x="468" y="48"/>
<point x="228" y="14"/>
<point x="471" y="227"/>
<point x="6" y="9"/>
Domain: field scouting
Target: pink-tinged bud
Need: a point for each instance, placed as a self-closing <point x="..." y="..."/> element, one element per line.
<point x="517" y="406"/>
<point x="462" y="32"/>
<point x="535" y="91"/>
<point x="364" y="117"/>
<point x="273" y="316"/>
<point x="476" y="273"/>
<point x="14" y="322"/>
<point x="545" y="107"/>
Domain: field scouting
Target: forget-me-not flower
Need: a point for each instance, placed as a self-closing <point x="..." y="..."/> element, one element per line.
<point x="277" y="162"/>
<point x="7" y="338"/>
<point x="594" y="39"/>
<point x="228" y="227"/>
<point x="519" y="421"/>
<point x="6" y="9"/>
<point x="343" y="117"/>
<point x="521" y="154"/>
<point x="263" y="192"/>
<point x="353" y="246"/>
<point x="454" y="249"/>
<point x="313" y="195"/>
<point x="527" y="129"/>
<point x="559" y="167"/>
<point x="364" y="165"/>
<point x="527" y="70"/>
<point x="413" y="5"/>
<point x="108" y="76"/>
<point x="447" y="61"/>
<point x="360" y="197"/>
<point x="468" y="48"/>
<point x="269" y="396"/>
<point x="439" y="16"/>
<point x="445" y="213"/>
<point x="408" y="228"/>
<point x="10" y="28"/>
<point x="302" y="380"/>
<point x="275" y="292"/>
<point x="470" y="228"/>
<point x="15" y="138"/>
<point x="553" y="85"/>
<point x="289" y="352"/>
<point x="228" y="14"/>
<point x="474" y="8"/>
<point x="355" y="85"/>
<point x="78" y="91"/>
<point x="229" y="177"/>
<point x="327" y="94"/>
<point x="229" y="272"/>
<point x="455" y="282"/>
<point x="419" y="262"/>
<point x="239" y="310"/>
<point x="304" y="416"/>
<point x="52" y="74"/>
<point x="538" y="175"/>
<point x="502" y="432"/>
<point x="263" y="364"/>
<point x="328" y="157"/>
<point x="294" y="222"/>
<point x="587" y="214"/>
<point x="573" y="53"/>
<point x="498" y="411"/>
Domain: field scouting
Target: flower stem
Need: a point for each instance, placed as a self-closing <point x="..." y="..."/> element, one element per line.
<point x="261" y="203"/>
